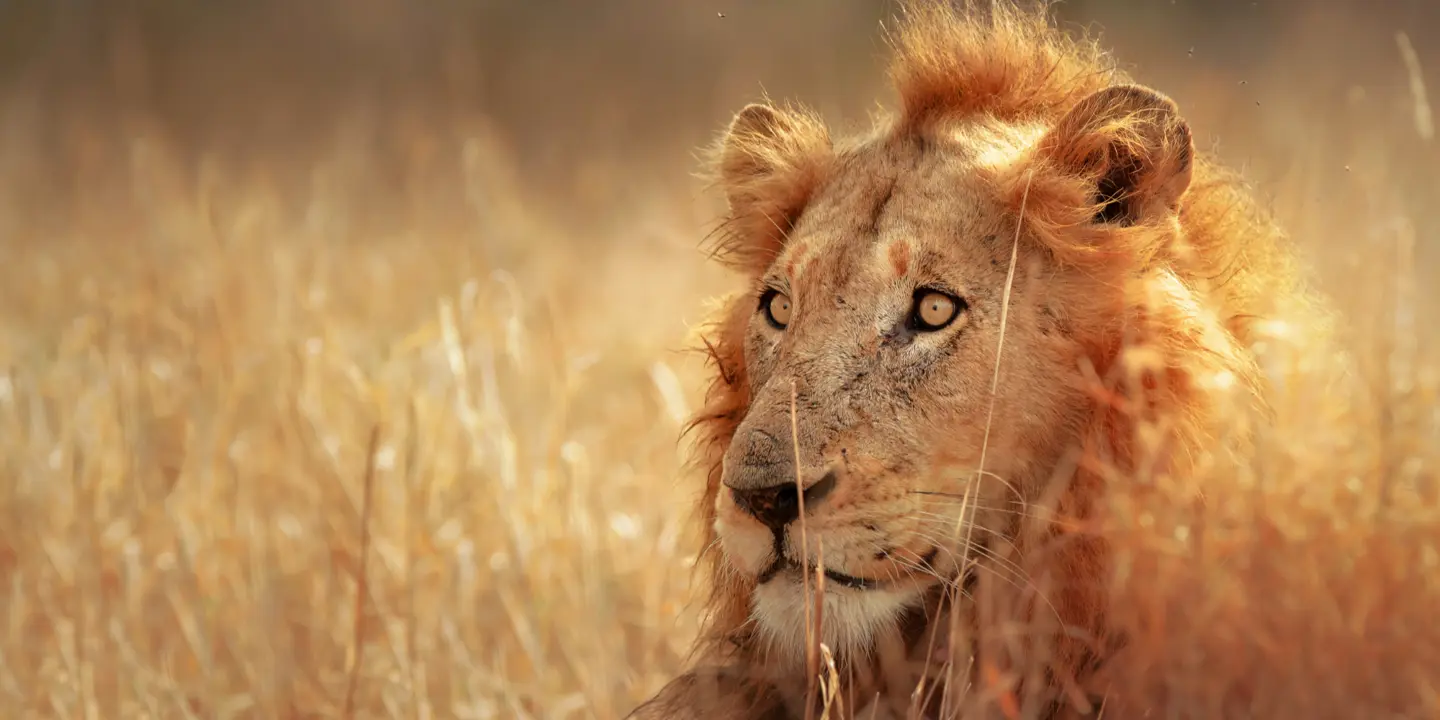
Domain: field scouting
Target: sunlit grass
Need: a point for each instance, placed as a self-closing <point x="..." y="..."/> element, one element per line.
<point x="186" y="462"/>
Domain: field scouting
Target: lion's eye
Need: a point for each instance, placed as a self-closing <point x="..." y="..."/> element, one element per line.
<point x="777" y="308"/>
<point x="934" y="310"/>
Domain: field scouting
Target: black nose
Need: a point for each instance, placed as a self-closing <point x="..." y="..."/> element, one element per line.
<point x="779" y="505"/>
<point x="776" y="506"/>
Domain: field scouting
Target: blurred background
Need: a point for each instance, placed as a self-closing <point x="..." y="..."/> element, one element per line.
<point x="592" y="111"/>
<point x="239" y="240"/>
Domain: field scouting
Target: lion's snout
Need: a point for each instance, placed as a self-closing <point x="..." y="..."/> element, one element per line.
<point x="779" y="505"/>
<point x="763" y="482"/>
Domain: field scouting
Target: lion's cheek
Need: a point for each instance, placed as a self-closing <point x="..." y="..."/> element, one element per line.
<point x="865" y="503"/>
<point x="855" y="530"/>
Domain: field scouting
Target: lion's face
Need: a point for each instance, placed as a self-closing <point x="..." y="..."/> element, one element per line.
<point x="883" y="313"/>
<point x="871" y="338"/>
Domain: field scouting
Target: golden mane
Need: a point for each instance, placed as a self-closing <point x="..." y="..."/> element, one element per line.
<point x="1162" y="361"/>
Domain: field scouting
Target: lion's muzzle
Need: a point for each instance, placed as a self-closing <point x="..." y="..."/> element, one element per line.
<point x="761" y="476"/>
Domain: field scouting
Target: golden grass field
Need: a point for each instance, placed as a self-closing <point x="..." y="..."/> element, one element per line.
<point x="349" y="382"/>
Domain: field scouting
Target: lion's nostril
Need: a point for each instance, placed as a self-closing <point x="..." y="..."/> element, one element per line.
<point x="776" y="506"/>
<point x="779" y="505"/>
<point x="787" y="502"/>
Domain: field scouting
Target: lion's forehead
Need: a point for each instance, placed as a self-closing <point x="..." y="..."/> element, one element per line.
<point x="899" y="208"/>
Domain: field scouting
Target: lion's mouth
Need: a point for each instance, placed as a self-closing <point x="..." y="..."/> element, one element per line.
<point x="782" y="564"/>
<point x="849" y="581"/>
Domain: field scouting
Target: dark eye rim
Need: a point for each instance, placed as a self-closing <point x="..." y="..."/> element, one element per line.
<point x="764" y="308"/>
<point x="919" y="325"/>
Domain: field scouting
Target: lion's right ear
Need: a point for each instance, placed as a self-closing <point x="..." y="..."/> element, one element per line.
<point x="769" y="162"/>
<point x="1132" y="144"/>
<point x="1105" y="185"/>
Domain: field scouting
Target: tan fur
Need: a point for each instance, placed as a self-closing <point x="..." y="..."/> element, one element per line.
<point x="1127" y="332"/>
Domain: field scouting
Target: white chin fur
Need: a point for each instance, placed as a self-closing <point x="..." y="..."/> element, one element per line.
<point x="853" y="619"/>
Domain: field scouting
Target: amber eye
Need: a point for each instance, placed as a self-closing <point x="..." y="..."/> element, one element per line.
<point x="777" y="308"/>
<point x="935" y="310"/>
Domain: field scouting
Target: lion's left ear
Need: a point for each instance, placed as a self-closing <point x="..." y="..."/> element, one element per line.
<point x="1133" y="147"/>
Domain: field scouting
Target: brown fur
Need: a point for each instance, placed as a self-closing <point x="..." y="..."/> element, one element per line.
<point x="1141" y="273"/>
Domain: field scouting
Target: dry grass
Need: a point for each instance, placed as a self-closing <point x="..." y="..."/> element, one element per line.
<point x="213" y="372"/>
<point x="186" y="462"/>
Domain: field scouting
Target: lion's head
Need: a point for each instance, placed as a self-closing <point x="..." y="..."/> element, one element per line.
<point x="1023" y="283"/>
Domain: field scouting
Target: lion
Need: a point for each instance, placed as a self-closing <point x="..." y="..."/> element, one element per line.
<point x="956" y="331"/>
